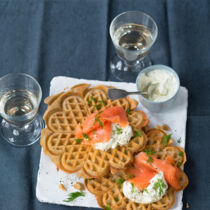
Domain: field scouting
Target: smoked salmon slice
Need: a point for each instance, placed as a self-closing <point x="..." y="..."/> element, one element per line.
<point x="99" y="134"/>
<point x="97" y="126"/>
<point x="171" y="172"/>
<point x="90" y="124"/>
<point x="79" y="131"/>
<point x="115" y="115"/>
<point x="142" y="176"/>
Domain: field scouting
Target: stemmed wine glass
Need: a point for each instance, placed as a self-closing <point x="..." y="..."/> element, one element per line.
<point x="20" y="96"/>
<point x="133" y="33"/>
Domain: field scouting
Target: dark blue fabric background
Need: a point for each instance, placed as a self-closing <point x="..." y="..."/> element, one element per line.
<point x="70" y="38"/>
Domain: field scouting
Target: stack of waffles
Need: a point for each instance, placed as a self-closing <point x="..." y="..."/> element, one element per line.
<point x="101" y="169"/>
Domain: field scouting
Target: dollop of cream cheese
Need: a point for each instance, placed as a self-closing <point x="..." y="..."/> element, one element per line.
<point x="159" y="84"/>
<point x="119" y="136"/>
<point x="148" y="195"/>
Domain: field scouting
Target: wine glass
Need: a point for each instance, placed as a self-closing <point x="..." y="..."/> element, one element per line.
<point x="133" y="33"/>
<point x="20" y="96"/>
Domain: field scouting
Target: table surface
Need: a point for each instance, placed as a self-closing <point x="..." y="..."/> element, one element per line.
<point x="70" y="38"/>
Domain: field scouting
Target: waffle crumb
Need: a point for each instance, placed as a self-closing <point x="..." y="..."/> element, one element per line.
<point x="146" y="128"/>
<point x="166" y="127"/>
<point x="62" y="187"/>
<point x="187" y="205"/>
<point x="79" y="186"/>
<point x="171" y="141"/>
<point x="159" y="127"/>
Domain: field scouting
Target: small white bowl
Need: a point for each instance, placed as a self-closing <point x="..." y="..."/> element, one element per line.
<point x="158" y="106"/>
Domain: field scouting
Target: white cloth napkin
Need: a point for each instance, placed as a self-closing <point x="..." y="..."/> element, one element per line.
<point x="48" y="180"/>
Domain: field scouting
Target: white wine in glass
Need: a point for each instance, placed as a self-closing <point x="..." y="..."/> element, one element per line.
<point x="133" y="33"/>
<point x="20" y="96"/>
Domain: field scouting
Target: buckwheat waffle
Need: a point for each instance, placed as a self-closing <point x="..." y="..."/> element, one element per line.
<point x="137" y="119"/>
<point x="156" y="137"/>
<point x="66" y="110"/>
<point x="64" y="151"/>
<point x="178" y="154"/>
<point x="109" y="193"/>
<point x="155" y="142"/>
<point x="137" y="143"/>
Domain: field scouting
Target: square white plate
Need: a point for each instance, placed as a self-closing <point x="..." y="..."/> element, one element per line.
<point x="48" y="180"/>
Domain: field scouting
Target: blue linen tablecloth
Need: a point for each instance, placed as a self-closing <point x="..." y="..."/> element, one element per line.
<point x="70" y="38"/>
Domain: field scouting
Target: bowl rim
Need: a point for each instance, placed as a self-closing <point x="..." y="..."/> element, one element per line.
<point x="161" y="67"/>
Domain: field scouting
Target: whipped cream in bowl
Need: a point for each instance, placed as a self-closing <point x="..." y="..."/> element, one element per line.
<point x="161" y="83"/>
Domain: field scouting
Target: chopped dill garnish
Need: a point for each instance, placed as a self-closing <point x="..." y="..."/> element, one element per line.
<point x="77" y="140"/>
<point x="93" y="99"/>
<point x="128" y="111"/>
<point x="89" y="102"/>
<point x="166" y="140"/>
<point x="130" y="176"/>
<point x="137" y="133"/>
<point x="120" y="181"/>
<point x="107" y="208"/>
<point x="149" y="152"/>
<point x="160" y="185"/>
<point x="86" y="136"/>
<point x="132" y="188"/>
<point x="118" y="131"/>
<point x="181" y="154"/>
<point x="178" y="164"/>
<point x="73" y="196"/>
<point x="97" y="119"/>
<point x="179" y="140"/>
<point x="97" y="106"/>
<point x="102" y="102"/>
<point x="116" y="199"/>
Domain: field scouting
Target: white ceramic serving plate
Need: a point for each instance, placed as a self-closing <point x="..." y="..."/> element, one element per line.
<point x="48" y="180"/>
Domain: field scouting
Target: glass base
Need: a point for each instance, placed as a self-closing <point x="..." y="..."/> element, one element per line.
<point x="22" y="136"/>
<point x="126" y="73"/>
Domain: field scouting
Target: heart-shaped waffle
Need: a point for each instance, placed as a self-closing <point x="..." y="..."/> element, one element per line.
<point x="156" y="137"/>
<point x="109" y="194"/>
<point x="64" y="151"/>
<point x="137" y="119"/>
<point x="162" y="149"/>
<point x="98" y="162"/>
<point x="177" y="153"/>
<point x="66" y="110"/>
<point x="96" y="99"/>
